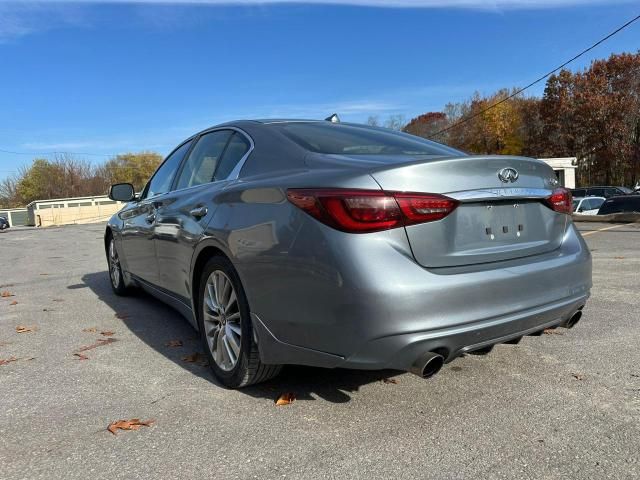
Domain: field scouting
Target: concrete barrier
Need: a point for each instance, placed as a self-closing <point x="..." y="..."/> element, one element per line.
<point x="611" y="218"/>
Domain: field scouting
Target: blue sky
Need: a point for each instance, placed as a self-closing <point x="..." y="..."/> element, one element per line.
<point x="109" y="77"/>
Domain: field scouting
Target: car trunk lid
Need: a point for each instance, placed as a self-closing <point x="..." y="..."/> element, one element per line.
<point x="496" y="220"/>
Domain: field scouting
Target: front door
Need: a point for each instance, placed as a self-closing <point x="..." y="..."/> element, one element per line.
<point x="185" y="213"/>
<point x="139" y="218"/>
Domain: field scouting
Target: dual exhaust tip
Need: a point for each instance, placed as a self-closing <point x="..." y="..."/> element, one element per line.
<point x="573" y="320"/>
<point x="430" y="363"/>
<point x="427" y="365"/>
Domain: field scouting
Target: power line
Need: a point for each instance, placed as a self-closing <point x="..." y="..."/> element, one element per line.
<point x="518" y="92"/>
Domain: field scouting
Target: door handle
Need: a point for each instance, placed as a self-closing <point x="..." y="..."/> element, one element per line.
<point x="198" y="212"/>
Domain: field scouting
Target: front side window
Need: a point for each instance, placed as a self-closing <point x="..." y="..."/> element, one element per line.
<point x="204" y="159"/>
<point x="161" y="181"/>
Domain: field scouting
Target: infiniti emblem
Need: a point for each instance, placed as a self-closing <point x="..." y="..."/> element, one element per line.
<point x="508" y="174"/>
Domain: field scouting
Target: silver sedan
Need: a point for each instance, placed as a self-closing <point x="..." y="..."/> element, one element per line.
<point x="342" y="245"/>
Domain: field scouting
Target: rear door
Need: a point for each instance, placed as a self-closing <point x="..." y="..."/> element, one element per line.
<point x="139" y="220"/>
<point x="502" y="213"/>
<point x="185" y="212"/>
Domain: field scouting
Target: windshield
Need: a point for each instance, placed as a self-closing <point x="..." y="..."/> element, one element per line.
<point x="341" y="139"/>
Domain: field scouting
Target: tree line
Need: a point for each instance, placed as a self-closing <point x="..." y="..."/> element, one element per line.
<point x="593" y="114"/>
<point x="65" y="176"/>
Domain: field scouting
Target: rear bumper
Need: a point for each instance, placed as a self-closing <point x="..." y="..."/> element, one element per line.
<point x="401" y="351"/>
<point x="365" y="303"/>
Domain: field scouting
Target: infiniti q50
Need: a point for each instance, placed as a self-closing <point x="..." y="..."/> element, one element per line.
<point x="342" y="245"/>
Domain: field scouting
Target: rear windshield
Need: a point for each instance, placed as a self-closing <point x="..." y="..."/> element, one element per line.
<point x="341" y="139"/>
<point x="620" y="204"/>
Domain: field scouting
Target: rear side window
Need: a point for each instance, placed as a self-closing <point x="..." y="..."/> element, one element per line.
<point x="597" y="192"/>
<point x="595" y="203"/>
<point x="204" y="159"/>
<point x="163" y="178"/>
<point x="236" y="149"/>
<point x="578" y="193"/>
<point x="342" y="139"/>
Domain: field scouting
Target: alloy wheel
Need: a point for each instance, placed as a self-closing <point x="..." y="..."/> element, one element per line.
<point x="222" y="320"/>
<point x="114" y="264"/>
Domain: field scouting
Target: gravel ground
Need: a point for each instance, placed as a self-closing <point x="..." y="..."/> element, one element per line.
<point x="563" y="405"/>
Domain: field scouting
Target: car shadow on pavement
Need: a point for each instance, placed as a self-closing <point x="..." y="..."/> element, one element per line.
<point x="157" y="324"/>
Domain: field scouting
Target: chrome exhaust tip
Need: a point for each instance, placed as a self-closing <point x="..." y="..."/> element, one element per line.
<point x="573" y="321"/>
<point x="427" y="365"/>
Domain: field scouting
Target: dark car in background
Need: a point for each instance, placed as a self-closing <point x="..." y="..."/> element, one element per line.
<point x="622" y="204"/>
<point x="4" y="223"/>
<point x="605" y="192"/>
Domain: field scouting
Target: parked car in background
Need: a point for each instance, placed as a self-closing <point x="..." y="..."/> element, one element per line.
<point x="623" y="204"/>
<point x="605" y="192"/>
<point x="4" y="223"/>
<point x="587" y="206"/>
<point x="342" y="245"/>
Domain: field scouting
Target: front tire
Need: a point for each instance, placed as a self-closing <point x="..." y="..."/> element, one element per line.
<point x="225" y="327"/>
<point x="115" y="270"/>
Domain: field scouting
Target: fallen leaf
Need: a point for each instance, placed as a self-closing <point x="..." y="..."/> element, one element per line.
<point x="14" y="303"/>
<point x="552" y="331"/>
<point x="6" y="294"/>
<point x="197" y="357"/>
<point x="8" y="360"/>
<point x="107" y="333"/>
<point x="58" y="300"/>
<point x="44" y="274"/>
<point x="81" y="356"/>
<point x="90" y="330"/>
<point x="122" y="316"/>
<point x="285" y="399"/>
<point x="133" y="424"/>
<point x="100" y="343"/>
<point x="619" y="258"/>
<point x="6" y="285"/>
<point x="173" y="343"/>
<point x="578" y="376"/>
<point x="390" y="380"/>
<point x="23" y="329"/>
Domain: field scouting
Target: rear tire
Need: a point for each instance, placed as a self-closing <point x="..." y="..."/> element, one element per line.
<point x="225" y="327"/>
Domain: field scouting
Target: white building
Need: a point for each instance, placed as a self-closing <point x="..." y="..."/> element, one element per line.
<point x="565" y="169"/>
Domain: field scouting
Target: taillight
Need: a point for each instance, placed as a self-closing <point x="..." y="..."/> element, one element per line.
<point x="560" y="201"/>
<point x="362" y="211"/>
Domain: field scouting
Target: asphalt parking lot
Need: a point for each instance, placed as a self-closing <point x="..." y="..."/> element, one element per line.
<point x="561" y="405"/>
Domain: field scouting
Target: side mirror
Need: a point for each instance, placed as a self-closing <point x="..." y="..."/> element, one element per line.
<point x="580" y="210"/>
<point x="122" y="192"/>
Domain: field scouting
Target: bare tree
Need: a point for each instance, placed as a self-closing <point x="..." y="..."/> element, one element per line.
<point x="395" y="122"/>
<point x="373" y="121"/>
